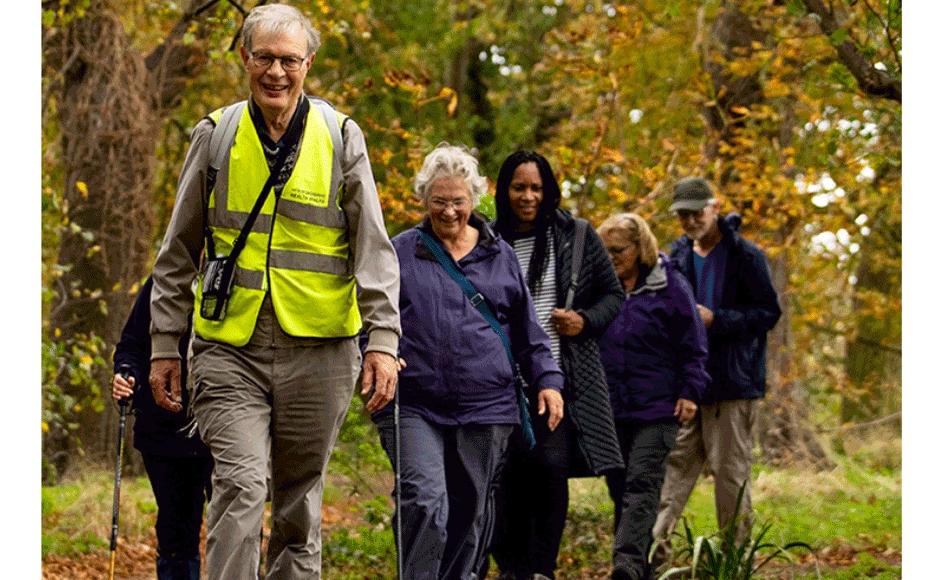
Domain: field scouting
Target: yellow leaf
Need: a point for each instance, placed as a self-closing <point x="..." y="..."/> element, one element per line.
<point x="82" y="188"/>
<point x="452" y="105"/>
<point x="45" y="427"/>
<point x="57" y="332"/>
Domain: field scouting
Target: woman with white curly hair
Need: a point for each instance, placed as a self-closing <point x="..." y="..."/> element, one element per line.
<point x="458" y="396"/>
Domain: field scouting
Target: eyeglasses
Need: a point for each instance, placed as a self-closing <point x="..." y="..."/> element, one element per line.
<point x="617" y="250"/>
<point x="684" y="214"/>
<point x="439" y="204"/>
<point x="263" y="61"/>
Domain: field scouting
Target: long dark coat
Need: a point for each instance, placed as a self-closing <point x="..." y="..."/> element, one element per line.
<point x="598" y="299"/>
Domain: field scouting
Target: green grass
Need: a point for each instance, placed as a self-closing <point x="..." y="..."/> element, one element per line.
<point x="76" y="515"/>
<point x="855" y="507"/>
<point x="867" y="567"/>
<point x="851" y="506"/>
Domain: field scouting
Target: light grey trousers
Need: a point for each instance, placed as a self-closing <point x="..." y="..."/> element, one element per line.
<point x="258" y="404"/>
<point x="723" y="434"/>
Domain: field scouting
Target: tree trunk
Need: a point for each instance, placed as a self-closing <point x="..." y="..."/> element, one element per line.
<point x="107" y="128"/>
<point x="872" y="363"/>
<point x="111" y="102"/>
<point x="783" y="429"/>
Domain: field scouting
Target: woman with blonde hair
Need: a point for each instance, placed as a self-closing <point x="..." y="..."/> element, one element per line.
<point x="654" y="355"/>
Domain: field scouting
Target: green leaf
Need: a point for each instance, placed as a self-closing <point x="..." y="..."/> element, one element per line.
<point x="839" y="36"/>
<point x="796" y="8"/>
<point x="839" y="74"/>
<point x="672" y="9"/>
<point x="48" y="18"/>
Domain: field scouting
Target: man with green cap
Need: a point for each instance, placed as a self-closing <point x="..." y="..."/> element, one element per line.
<point x="738" y="306"/>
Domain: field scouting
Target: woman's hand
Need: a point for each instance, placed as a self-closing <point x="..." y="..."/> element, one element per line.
<point x="685" y="410"/>
<point x="551" y="399"/>
<point x="567" y="322"/>
<point x="121" y="388"/>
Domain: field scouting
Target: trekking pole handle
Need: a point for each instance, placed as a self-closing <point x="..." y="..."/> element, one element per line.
<point x="124" y="370"/>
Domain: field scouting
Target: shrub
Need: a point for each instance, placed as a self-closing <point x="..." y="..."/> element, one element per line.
<point x="722" y="556"/>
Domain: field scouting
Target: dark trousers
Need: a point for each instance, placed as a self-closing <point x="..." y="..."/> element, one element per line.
<point x="446" y="510"/>
<point x="635" y="493"/>
<point x="181" y="485"/>
<point x="532" y="501"/>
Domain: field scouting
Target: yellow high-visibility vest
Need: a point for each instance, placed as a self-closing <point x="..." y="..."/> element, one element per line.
<point x="297" y="248"/>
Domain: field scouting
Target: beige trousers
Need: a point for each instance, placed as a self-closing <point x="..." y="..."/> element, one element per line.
<point x="276" y="405"/>
<point x="723" y="434"/>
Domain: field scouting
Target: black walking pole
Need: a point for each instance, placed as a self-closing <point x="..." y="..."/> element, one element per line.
<point x="398" y="556"/>
<point x="124" y="371"/>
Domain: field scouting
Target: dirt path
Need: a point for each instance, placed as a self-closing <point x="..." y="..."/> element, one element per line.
<point x="135" y="559"/>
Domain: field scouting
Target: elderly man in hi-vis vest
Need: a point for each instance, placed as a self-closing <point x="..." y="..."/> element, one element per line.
<point x="277" y="221"/>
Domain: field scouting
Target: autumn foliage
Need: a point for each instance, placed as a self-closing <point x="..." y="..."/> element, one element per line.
<point x="776" y="102"/>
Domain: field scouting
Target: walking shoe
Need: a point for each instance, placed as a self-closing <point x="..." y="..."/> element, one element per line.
<point x="621" y="574"/>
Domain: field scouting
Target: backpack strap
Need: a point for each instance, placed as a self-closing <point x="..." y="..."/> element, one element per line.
<point x="577" y="255"/>
<point x="223" y="134"/>
<point x="332" y="118"/>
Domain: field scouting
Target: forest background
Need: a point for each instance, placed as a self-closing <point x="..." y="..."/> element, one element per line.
<point x="792" y="108"/>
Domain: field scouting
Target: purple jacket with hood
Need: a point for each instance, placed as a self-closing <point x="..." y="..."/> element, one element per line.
<point x="458" y="372"/>
<point x="654" y="352"/>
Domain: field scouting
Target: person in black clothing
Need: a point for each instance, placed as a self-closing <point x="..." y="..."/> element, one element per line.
<point x="178" y="465"/>
<point x="532" y="500"/>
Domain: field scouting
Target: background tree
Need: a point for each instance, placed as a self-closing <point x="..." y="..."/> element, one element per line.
<point x="105" y="100"/>
<point x="791" y="108"/>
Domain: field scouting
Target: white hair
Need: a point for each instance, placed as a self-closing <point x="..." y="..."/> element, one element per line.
<point x="279" y="18"/>
<point x="448" y="160"/>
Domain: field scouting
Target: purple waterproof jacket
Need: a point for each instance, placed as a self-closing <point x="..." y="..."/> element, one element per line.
<point x="654" y="352"/>
<point x="458" y="372"/>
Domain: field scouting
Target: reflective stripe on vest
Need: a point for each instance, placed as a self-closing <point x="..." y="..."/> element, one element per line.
<point x="297" y="249"/>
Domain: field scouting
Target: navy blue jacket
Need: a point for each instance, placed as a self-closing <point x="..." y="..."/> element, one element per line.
<point x="458" y="372"/>
<point x="747" y="311"/>
<point x="654" y="351"/>
<point x="156" y="430"/>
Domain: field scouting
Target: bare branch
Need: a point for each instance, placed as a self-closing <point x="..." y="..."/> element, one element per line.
<point x="887" y="29"/>
<point x="892" y="348"/>
<point x="171" y="63"/>
<point x="872" y="81"/>
<point x="852" y="426"/>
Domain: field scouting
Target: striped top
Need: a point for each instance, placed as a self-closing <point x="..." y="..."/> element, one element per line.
<point x="544" y="299"/>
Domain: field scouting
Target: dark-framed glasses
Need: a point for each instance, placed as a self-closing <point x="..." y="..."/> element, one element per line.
<point x="263" y="61"/>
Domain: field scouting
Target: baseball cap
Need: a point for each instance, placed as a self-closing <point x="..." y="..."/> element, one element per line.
<point x="692" y="194"/>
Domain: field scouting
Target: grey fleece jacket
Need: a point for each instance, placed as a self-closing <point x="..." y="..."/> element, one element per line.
<point x="375" y="265"/>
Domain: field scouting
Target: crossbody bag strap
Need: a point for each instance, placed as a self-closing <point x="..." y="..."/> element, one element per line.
<point x="577" y="255"/>
<point x="290" y="139"/>
<point x="479" y="302"/>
